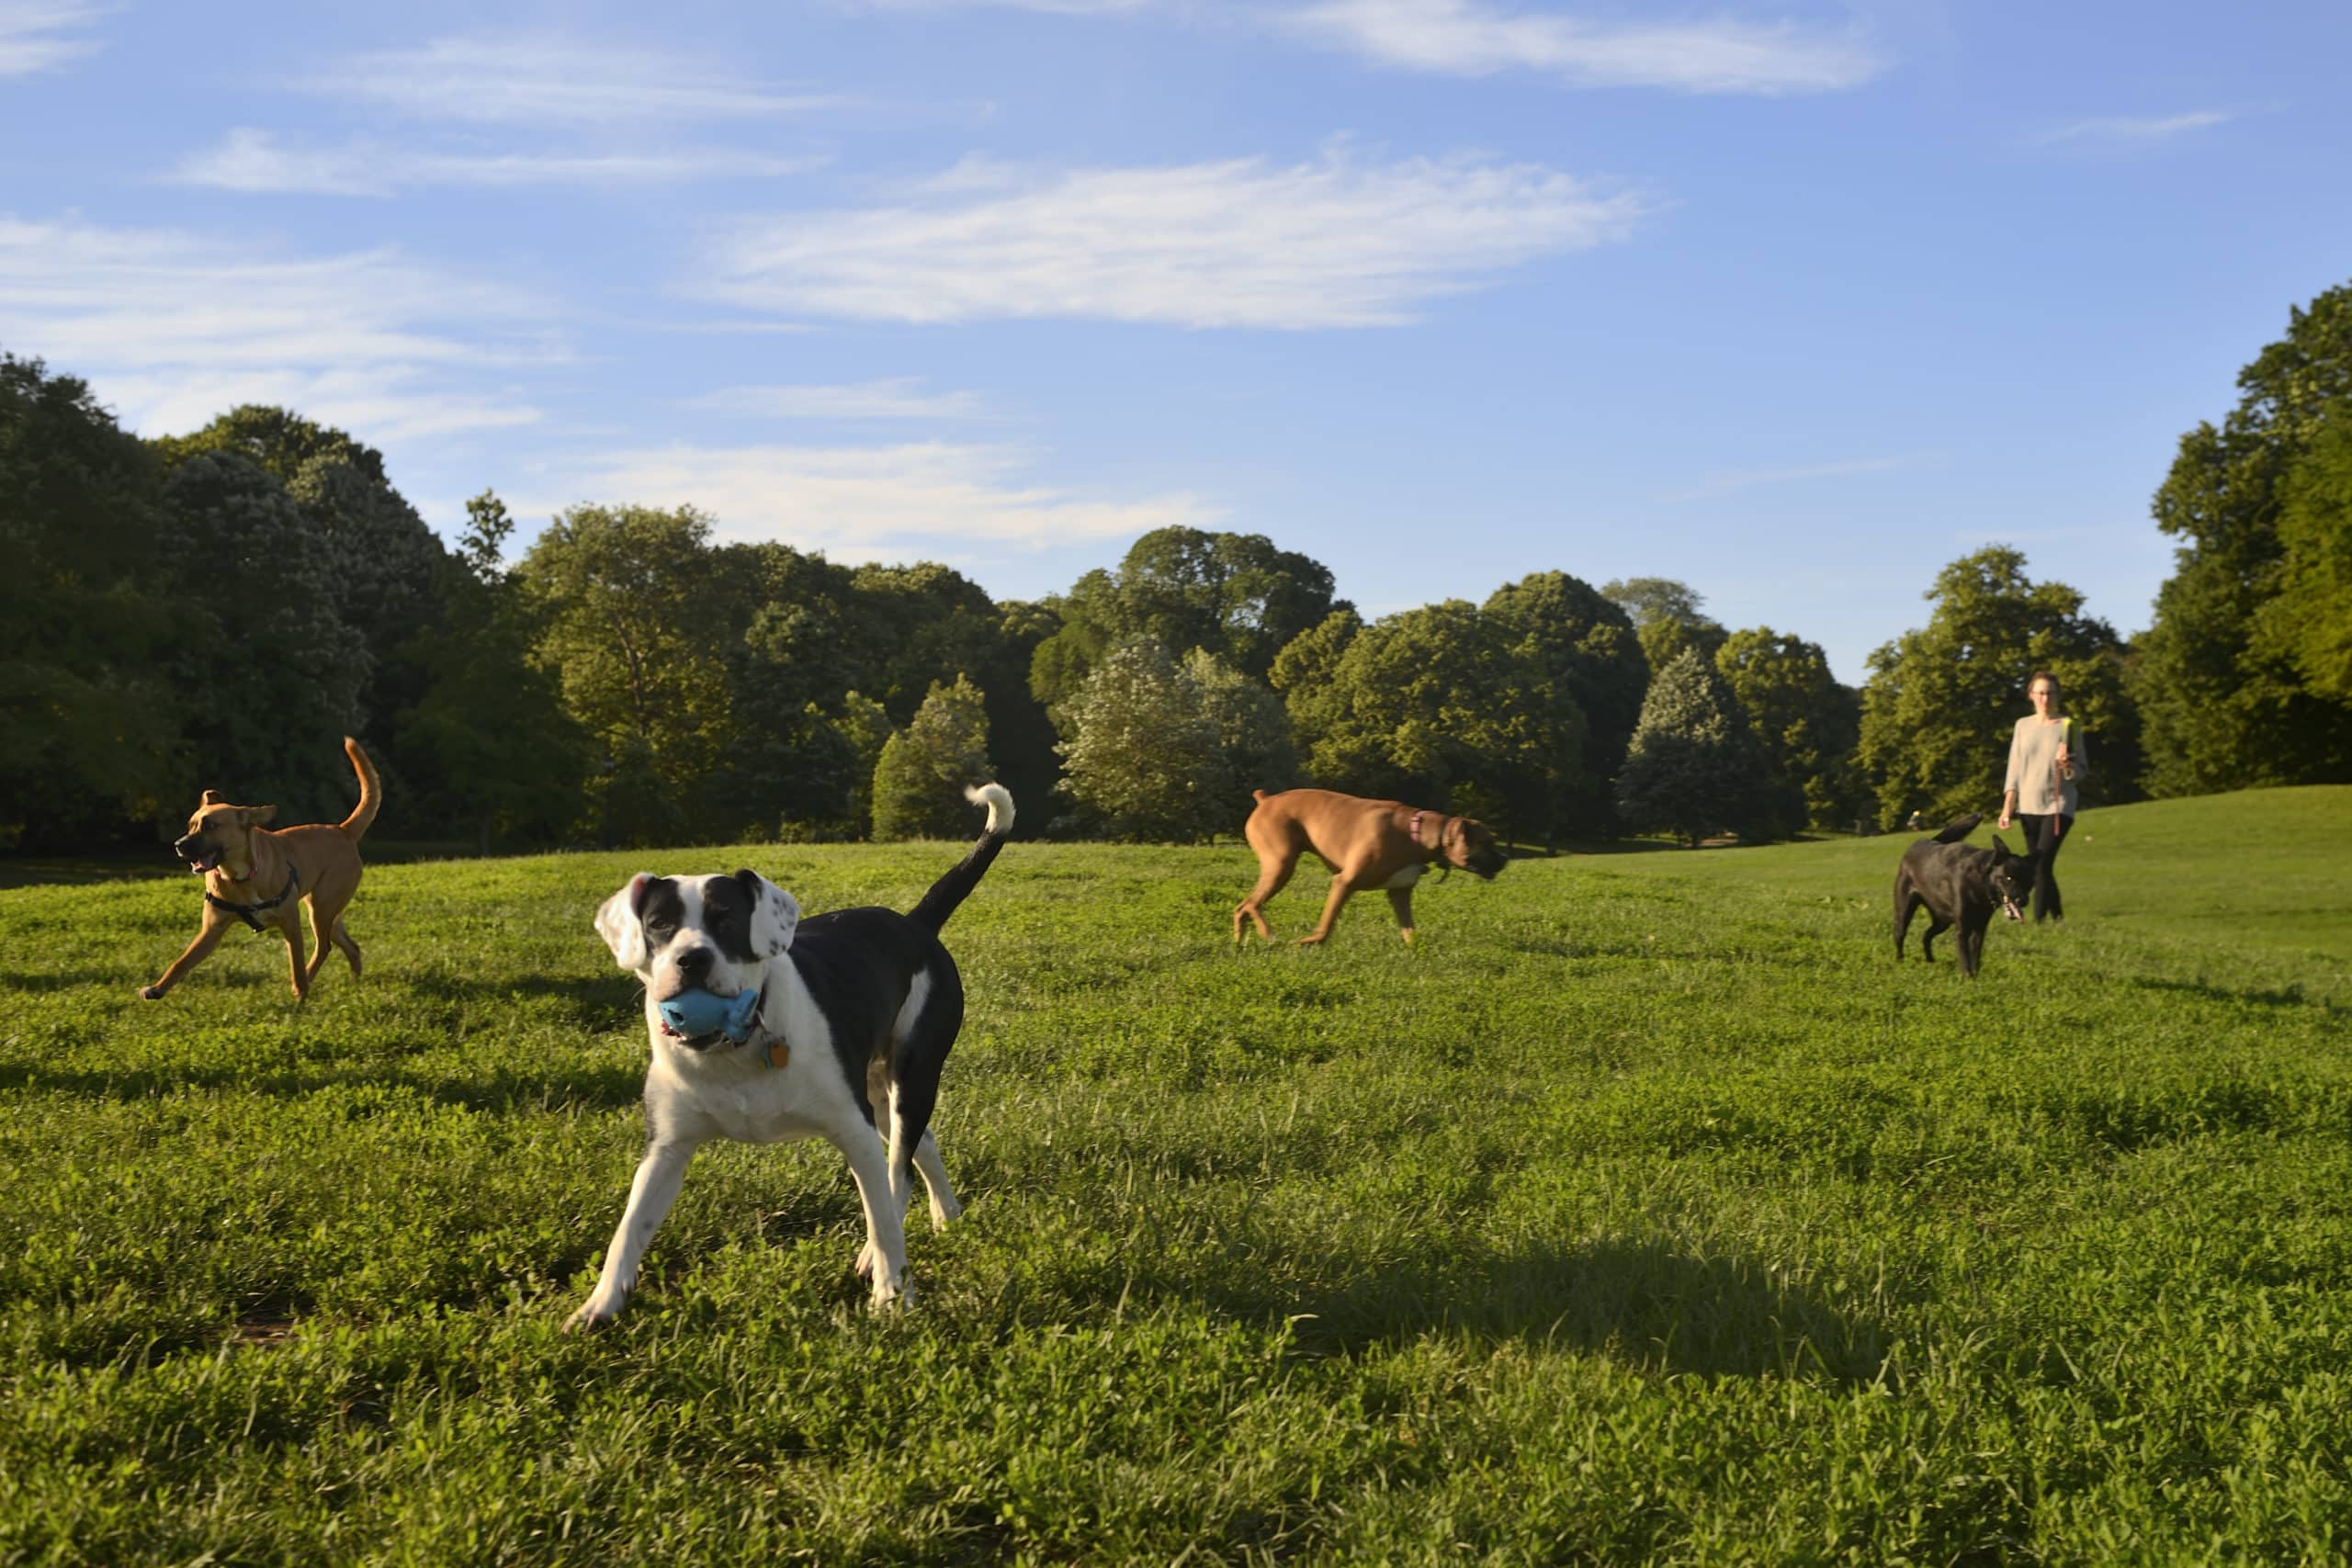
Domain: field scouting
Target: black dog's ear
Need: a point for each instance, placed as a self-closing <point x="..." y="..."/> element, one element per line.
<point x="2000" y="850"/>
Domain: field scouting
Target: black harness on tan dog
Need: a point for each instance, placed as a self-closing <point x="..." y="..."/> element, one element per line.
<point x="252" y="913"/>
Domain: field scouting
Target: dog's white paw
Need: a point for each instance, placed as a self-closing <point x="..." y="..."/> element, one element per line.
<point x="592" y="1315"/>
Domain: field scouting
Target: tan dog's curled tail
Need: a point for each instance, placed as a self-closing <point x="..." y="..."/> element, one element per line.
<point x="371" y="791"/>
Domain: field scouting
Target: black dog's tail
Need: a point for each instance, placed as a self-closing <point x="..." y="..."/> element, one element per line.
<point x="1958" y="827"/>
<point x="955" y="886"/>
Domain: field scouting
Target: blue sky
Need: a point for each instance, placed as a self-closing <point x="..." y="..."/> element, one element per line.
<point x="1796" y="303"/>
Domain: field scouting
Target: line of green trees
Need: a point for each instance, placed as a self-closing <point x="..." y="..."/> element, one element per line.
<point x="216" y="609"/>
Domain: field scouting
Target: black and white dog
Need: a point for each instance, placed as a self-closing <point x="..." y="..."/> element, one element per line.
<point x="855" y="1014"/>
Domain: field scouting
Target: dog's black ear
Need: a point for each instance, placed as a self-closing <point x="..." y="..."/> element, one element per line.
<point x="775" y="914"/>
<point x="620" y="921"/>
<point x="2000" y="850"/>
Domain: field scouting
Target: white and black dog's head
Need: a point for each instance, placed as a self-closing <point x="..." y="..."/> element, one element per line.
<point x="711" y="933"/>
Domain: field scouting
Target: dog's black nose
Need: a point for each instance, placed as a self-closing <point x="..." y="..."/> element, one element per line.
<point x="694" y="963"/>
<point x="180" y="846"/>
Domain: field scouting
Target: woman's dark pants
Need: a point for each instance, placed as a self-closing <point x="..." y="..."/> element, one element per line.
<point x="2042" y="836"/>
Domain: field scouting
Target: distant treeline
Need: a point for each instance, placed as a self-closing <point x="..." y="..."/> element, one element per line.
<point x="216" y="610"/>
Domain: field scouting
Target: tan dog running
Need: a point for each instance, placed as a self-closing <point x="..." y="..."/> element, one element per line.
<point x="260" y="877"/>
<point x="1367" y="843"/>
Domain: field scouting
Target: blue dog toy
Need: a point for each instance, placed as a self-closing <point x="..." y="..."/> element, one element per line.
<point x="693" y="1013"/>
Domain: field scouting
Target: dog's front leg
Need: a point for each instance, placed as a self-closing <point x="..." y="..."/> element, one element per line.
<point x="1341" y="886"/>
<point x="1401" y="900"/>
<point x="884" y="1255"/>
<point x="207" y="937"/>
<point x="655" y="1188"/>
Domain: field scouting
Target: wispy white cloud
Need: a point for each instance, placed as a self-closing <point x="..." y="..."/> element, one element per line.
<point x="898" y="397"/>
<point x="870" y="502"/>
<point x="174" y="328"/>
<point x="256" y="161"/>
<point x="1243" y="243"/>
<point x="1464" y="38"/>
<point x="41" y="35"/>
<point x="555" y="80"/>
<point x="1726" y="483"/>
<point x="2119" y="133"/>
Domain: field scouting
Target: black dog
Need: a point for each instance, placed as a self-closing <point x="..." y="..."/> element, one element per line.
<point x="1960" y="886"/>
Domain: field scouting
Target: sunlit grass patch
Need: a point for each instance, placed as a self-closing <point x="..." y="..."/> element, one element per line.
<point x="1646" y="1206"/>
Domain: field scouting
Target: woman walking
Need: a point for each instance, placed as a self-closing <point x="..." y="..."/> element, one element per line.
<point x="2046" y="757"/>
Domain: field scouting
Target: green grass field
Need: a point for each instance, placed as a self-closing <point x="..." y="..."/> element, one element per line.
<point x="1645" y="1209"/>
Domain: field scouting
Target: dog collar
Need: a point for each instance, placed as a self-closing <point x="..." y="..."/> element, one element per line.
<point x="773" y="1050"/>
<point x="1430" y="853"/>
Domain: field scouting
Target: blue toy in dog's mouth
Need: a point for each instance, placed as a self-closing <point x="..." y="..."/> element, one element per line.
<point x="693" y="1014"/>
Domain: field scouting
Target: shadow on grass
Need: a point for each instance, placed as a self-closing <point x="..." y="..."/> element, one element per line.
<point x="593" y="1002"/>
<point x="529" y="1086"/>
<point x="2291" y="996"/>
<point x="1643" y="1303"/>
<point x="45" y="981"/>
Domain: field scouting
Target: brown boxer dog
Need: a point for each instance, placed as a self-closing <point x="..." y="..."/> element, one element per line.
<point x="1367" y="843"/>
<point x="263" y="877"/>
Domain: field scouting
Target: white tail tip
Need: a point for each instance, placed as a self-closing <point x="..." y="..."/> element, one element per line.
<point x="999" y="800"/>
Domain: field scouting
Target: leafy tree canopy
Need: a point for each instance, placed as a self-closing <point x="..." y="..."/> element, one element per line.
<point x="1587" y="642"/>
<point x="276" y="441"/>
<point x="1444" y="707"/>
<point x="1236" y="594"/>
<point x="268" y="676"/>
<point x="2307" y="625"/>
<point x="2222" y="683"/>
<point x="89" y="736"/>
<point x="489" y="742"/>
<point x="1942" y="701"/>
<point x="1161" y="748"/>
<point x="1805" y="722"/>
<point x="1694" y="768"/>
<point x="920" y="779"/>
<point x="635" y="624"/>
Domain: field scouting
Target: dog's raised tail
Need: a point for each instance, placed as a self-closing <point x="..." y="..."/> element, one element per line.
<point x="371" y="791"/>
<point x="951" y="889"/>
<point x="1958" y="827"/>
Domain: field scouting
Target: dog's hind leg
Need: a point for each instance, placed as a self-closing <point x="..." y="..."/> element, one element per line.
<point x="1274" y="874"/>
<point x="943" y="1204"/>
<point x="1937" y="926"/>
<point x="326" y="926"/>
<point x="884" y="1255"/>
<point x="1906" y="904"/>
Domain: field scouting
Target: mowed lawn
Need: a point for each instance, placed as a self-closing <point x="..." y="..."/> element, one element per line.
<point x="1645" y="1209"/>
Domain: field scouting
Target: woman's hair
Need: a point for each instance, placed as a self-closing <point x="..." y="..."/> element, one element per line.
<point x="2057" y="692"/>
